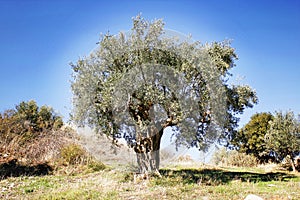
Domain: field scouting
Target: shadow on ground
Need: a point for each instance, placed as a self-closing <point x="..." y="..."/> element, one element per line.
<point x="15" y="169"/>
<point x="218" y="176"/>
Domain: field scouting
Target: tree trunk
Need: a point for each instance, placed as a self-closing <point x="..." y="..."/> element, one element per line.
<point x="147" y="152"/>
<point x="293" y="164"/>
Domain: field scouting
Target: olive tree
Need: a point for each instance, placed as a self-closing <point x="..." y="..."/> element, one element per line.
<point x="138" y="83"/>
<point x="283" y="137"/>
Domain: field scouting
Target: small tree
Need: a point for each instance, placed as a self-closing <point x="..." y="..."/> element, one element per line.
<point x="251" y="138"/>
<point x="137" y="84"/>
<point x="28" y="118"/>
<point x="283" y="137"/>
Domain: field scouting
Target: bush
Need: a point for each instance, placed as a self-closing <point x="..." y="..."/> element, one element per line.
<point x="96" y="165"/>
<point x="224" y="157"/>
<point x="241" y="159"/>
<point x="34" y="136"/>
<point x="30" y="133"/>
<point x="28" y="121"/>
<point x="73" y="154"/>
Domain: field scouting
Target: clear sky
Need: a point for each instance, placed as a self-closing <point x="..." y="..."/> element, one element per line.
<point x="39" y="38"/>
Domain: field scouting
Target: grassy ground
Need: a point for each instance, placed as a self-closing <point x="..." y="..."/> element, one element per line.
<point x="177" y="182"/>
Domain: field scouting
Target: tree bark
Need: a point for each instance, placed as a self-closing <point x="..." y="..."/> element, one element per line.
<point x="147" y="151"/>
<point x="156" y="139"/>
<point x="293" y="164"/>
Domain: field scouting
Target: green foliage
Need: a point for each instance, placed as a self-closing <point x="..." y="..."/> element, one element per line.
<point x="27" y="120"/>
<point x="95" y="165"/>
<point x="251" y="138"/>
<point x="204" y="67"/>
<point x="283" y="136"/>
<point x="270" y="138"/>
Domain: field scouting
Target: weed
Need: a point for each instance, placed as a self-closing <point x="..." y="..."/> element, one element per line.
<point x="96" y="165"/>
<point x="127" y="177"/>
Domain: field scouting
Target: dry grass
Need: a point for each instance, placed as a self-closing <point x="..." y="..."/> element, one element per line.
<point x="77" y="176"/>
<point x="51" y="152"/>
<point x="176" y="183"/>
<point x="43" y="148"/>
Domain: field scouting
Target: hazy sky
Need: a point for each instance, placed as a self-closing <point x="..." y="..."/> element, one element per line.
<point x="39" y="38"/>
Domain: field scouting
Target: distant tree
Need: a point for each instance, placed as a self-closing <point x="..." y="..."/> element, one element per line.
<point x="8" y="126"/>
<point x="251" y="138"/>
<point x="283" y="137"/>
<point x="37" y="118"/>
<point x="28" y="119"/>
<point x="134" y="85"/>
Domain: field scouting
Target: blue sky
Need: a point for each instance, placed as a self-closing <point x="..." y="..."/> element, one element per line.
<point x="38" y="40"/>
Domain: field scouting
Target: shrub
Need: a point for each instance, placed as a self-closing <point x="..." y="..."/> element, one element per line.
<point x="73" y="154"/>
<point x="76" y="155"/>
<point x="96" y="165"/>
<point x="224" y="157"/>
<point x="30" y="133"/>
<point x="34" y="136"/>
<point x="238" y="159"/>
<point x="28" y="121"/>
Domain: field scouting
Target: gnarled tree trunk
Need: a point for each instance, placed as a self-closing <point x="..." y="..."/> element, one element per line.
<point x="147" y="151"/>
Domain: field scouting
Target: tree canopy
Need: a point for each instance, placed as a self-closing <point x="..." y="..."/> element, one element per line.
<point x="283" y="137"/>
<point x="270" y="137"/>
<point x="27" y="121"/>
<point x="251" y="138"/>
<point x="137" y="83"/>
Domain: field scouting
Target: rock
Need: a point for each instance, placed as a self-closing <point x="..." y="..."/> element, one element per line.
<point x="253" y="197"/>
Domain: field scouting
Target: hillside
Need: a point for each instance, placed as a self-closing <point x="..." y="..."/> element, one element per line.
<point x="65" y="165"/>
